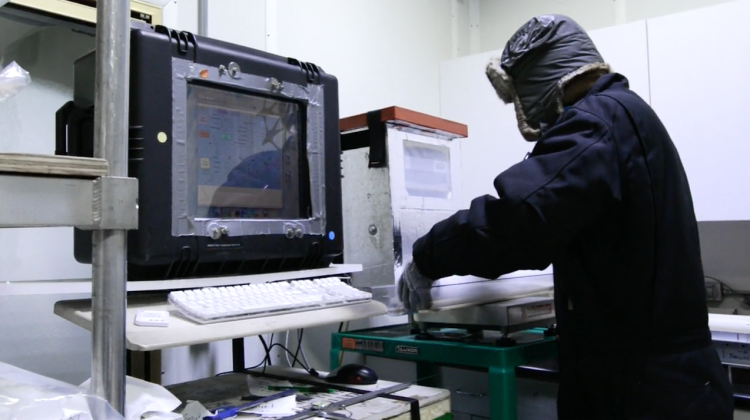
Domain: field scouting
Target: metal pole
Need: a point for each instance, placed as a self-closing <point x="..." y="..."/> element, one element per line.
<point x="203" y="17"/>
<point x="109" y="246"/>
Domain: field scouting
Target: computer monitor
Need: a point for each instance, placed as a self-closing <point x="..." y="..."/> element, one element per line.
<point x="248" y="155"/>
<point x="237" y="154"/>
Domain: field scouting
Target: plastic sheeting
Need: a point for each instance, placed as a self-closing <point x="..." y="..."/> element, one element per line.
<point x="27" y="396"/>
<point x="464" y="291"/>
<point x="13" y="79"/>
<point x="459" y="292"/>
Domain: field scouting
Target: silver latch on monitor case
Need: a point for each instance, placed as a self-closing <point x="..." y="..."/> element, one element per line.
<point x="216" y="231"/>
<point x="234" y="70"/>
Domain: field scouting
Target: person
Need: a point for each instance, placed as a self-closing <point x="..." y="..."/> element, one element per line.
<point x="603" y="198"/>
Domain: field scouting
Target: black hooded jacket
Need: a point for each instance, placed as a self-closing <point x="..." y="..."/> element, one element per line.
<point x="605" y="199"/>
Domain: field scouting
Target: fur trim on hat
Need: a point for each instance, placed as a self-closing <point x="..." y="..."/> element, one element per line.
<point x="503" y="85"/>
<point x="500" y="80"/>
<point x="529" y="133"/>
<point x="562" y="83"/>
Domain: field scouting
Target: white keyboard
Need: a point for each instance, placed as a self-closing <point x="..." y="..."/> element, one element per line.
<point x="217" y="304"/>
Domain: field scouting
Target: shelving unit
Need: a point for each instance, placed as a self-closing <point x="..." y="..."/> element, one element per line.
<point x="183" y="332"/>
<point x="78" y="189"/>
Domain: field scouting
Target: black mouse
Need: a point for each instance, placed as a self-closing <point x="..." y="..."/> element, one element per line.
<point x="353" y="374"/>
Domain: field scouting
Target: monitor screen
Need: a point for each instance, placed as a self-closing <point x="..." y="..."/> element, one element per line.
<point x="247" y="150"/>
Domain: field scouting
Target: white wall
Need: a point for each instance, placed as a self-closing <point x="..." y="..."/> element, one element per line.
<point x="501" y="18"/>
<point x="239" y="22"/>
<point x="706" y="117"/>
<point x="383" y="52"/>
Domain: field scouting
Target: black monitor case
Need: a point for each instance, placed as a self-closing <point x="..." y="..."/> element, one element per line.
<point x="153" y="253"/>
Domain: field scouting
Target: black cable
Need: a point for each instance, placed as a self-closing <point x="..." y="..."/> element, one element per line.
<point x="341" y="326"/>
<point x="266" y="349"/>
<point x="269" y="348"/>
<point x="243" y="371"/>
<point x="307" y="369"/>
<point x="262" y="362"/>
<point x="294" y="356"/>
<point x="267" y="358"/>
<point x="300" y="333"/>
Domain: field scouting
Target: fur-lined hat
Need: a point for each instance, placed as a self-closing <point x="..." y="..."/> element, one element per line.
<point x="539" y="60"/>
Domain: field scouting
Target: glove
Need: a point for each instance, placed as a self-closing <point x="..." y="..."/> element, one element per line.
<point x="414" y="289"/>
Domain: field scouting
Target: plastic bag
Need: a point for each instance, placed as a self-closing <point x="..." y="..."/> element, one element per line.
<point x="27" y="396"/>
<point x="13" y="79"/>
<point x="143" y="397"/>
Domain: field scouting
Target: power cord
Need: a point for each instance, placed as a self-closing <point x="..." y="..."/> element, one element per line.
<point x="286" y="344"/>
<point x="267" y="349"/>
<point x="266" y="357"/>
<point x="307" y="369"/>
<point x="302" y="348"/>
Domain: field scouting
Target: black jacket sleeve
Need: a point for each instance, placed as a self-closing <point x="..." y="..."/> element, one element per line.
<point x="564" y="185"/>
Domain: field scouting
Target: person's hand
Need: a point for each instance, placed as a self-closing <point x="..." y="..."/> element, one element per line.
<point x="414" y="289"/>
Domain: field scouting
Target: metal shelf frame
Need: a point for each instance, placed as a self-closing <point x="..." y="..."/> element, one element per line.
<point x="104" y="201"/>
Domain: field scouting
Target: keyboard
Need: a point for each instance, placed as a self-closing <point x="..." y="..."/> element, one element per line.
<point x="218" y="304"/>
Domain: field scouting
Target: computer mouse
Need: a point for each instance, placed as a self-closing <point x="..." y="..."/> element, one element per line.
<point x="353" y="374"/>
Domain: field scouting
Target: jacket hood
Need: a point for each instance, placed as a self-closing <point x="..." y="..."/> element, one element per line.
<point x="538" y="61"/>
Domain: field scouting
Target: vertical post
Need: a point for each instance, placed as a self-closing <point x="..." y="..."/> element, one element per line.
<point x="203" y="17"/>
<point x="238" y="355"/>
<point x="109" y="246"/>
<point x="503" y="404"/>
<point x="428" y="374"/>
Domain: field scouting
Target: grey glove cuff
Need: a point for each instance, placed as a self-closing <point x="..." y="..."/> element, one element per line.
<point x="414" y="289"/>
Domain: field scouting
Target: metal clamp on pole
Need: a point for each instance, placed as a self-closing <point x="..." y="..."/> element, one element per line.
<point x="115" y="204"/>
